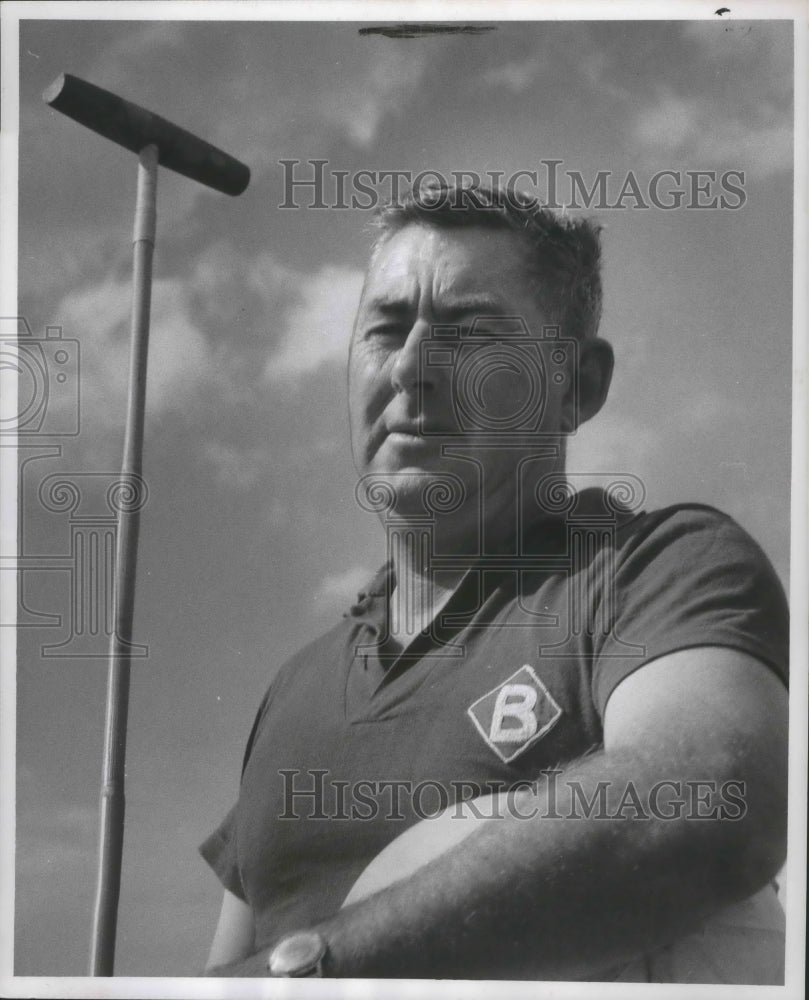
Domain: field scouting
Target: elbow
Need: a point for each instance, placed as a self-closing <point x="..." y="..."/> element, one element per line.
<point x="762" y="855"/>
<point x="752" y="848"/>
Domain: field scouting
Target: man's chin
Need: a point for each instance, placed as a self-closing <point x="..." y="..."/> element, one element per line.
<point x="411" y="490"/>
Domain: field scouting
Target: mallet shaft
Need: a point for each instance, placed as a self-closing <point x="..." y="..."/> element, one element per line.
<point x="111" y="836"/>
<point x="155" y="140"/>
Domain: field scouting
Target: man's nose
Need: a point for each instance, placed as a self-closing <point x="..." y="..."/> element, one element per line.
<point x="408" y="372"/>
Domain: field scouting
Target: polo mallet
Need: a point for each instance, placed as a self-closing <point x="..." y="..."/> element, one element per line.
<point x="156" y="141"/>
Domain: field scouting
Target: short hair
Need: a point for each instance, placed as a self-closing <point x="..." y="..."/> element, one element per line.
<point x="563" y="254"/>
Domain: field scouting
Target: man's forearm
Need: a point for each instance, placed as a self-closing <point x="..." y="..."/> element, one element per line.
<point x="554" y="898"/>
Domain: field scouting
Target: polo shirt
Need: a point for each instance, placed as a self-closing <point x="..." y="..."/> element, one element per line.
<point x="349" y="748"/>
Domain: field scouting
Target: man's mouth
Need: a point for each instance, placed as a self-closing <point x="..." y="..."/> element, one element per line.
<point x="410" y="428"/>
<point x="408" y="437"/>
<point x="419" y="428"/>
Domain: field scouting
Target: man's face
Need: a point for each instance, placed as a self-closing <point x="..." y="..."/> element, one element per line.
<point x="401" y="411"/>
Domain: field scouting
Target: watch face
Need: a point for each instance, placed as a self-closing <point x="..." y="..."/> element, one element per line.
<point x="297" y="955"/>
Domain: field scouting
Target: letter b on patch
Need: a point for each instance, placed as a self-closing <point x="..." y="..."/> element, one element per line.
<point x="515" y="702"/>
<point x="514" y="715"/>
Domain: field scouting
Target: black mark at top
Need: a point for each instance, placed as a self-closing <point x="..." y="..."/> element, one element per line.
<point x="423" y="30"/>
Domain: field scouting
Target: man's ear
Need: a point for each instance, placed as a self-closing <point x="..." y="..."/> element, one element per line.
<point x="594" y="376"/>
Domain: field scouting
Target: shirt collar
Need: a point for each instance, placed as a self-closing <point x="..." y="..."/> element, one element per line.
<point x="546" y="534"/>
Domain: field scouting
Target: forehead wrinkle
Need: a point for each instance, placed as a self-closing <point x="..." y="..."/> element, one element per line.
<point x="459" y="304"/>
<point x="415" y="276"/>
<point x="399" y="297"/>
<point x="457" y="290"/>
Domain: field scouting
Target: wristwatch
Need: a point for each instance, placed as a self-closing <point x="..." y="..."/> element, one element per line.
<point x="298" y="954"/>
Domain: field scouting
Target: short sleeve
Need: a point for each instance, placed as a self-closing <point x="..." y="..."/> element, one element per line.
<point x="688" y="577"/>
<point x="219" y="850"/>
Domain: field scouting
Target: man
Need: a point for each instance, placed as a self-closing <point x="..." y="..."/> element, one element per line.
<point x="606" y="685"/>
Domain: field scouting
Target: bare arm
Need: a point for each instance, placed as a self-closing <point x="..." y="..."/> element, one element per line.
<point x="568" y="898"/>
<point x="233" y="938"/>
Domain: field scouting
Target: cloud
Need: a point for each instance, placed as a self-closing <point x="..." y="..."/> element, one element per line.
<point x="238" y="468"/>
<point x="699" y="131"/>
<point x="125" y="57"/>
<point x="51" y="835"/>
<point x="708" y="114"/>
<point x="179" y="358"/>
<point x="383" y="86"/>
<point x="614" y="443"/>
<point x="345" y="98"/>
<point x="218" y="336"/>
<point x="340" y="589"/>
<point x="763" y="151"/>
<point x="51" y="841"/>
<point x="239" y="301"/>
<point x="752" y="49"/>
<point x="668" y="123"/>
<point x="710" y="408"/>
<point x="516" y="76"/>
<point x="597" y="67"/>
<point x="56" y="846"/>
<point x="743" y="117"/>
<point x="317" y="328"/>
<point x="270" y="321"/>
<point x="594" y="64"/>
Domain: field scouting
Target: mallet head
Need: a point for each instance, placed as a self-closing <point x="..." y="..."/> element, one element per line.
<point x="133" y="127"/>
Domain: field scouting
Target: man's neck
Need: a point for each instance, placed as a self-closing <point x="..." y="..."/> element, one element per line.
<point x="418" y="545"/>
<point x="420" y="591"/>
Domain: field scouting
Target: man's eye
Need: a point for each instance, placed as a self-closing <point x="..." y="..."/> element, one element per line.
<point x="495" y="330"/>
<point x="385" y="330"/>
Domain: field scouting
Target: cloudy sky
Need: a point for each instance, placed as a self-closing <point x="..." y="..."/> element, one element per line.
<point x="251" y="540"/>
